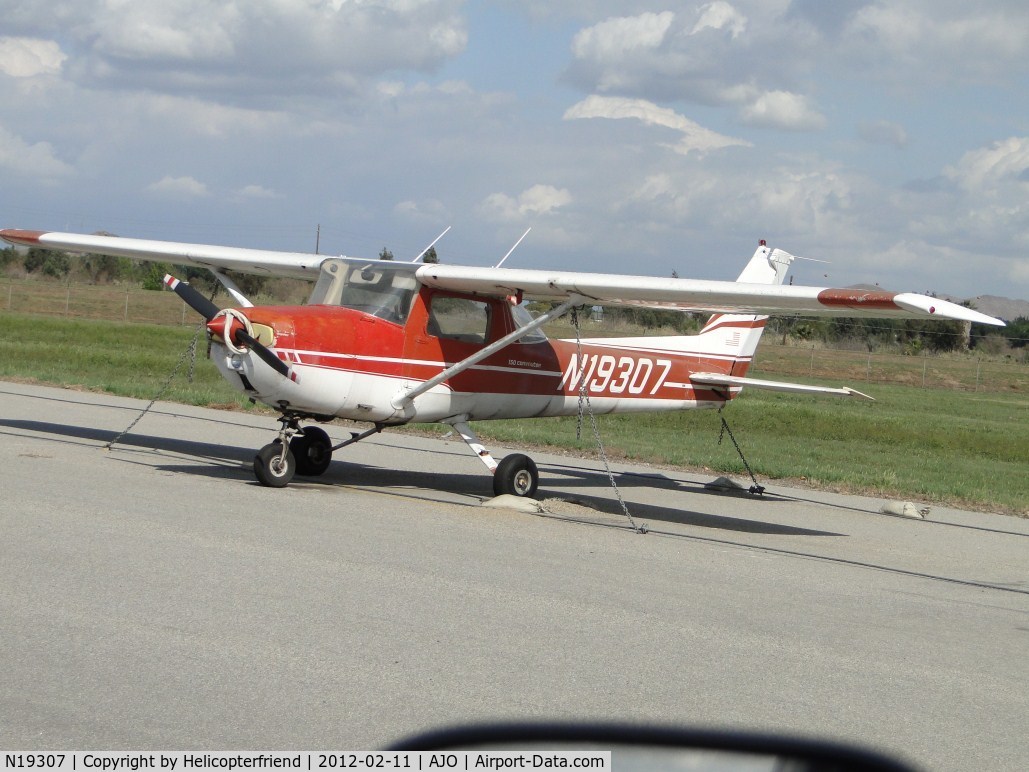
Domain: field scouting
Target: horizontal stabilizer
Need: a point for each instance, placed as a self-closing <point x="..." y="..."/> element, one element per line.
<point x="720" y="379"/>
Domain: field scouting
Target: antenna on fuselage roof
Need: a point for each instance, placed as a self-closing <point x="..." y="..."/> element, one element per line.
<point x="512" y="249"/>
<point x="419" y="257"/>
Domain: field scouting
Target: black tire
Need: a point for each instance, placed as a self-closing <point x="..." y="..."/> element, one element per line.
<point x="269" y="470"/>
<point x="516" y="475"/>
<point x="312" y="451"/>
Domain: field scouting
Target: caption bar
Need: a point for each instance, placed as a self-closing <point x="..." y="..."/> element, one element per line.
<point x="410" y="761"/>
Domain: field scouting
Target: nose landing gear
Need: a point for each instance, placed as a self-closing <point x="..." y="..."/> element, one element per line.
<point x="306" y="452"/>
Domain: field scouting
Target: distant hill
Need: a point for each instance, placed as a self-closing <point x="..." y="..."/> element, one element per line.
<point x="1003" y="308"/>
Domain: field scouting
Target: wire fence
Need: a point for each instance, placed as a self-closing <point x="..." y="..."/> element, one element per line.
<point x="964" y="372"/>
<point x="84" y="301"/>
<point x="968" y="372"/>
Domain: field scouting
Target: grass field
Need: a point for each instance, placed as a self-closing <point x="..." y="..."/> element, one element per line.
<point x="960" y="447"/>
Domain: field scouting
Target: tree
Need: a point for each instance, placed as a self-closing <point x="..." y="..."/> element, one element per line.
<point x="47" y="262"/>
<point x="430" y="256"/>
<point x="105" y="268"/>
<point x="385" y="254"/>
<point x="152" y="275"/>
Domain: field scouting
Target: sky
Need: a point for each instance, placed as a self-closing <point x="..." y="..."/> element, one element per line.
<point x="890" y="138"/>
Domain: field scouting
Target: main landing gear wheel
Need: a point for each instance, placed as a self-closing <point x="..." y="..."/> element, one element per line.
<point x="516" y="475"/>
<point x="312" y="451"/>
<point x="272" y="467"/>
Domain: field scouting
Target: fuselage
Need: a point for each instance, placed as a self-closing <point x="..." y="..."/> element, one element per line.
<point x="356" y="360"/>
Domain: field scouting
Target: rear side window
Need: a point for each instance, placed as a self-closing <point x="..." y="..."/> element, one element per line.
<point x="459" y="319"/>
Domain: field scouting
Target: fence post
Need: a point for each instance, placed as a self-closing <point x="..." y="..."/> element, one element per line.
<point x="925" y="366"/>
<point x="978" y="371"/>
<point x="126" y="304"/>
<point x="67" y="300"/>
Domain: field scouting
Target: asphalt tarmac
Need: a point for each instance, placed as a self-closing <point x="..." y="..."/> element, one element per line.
<point x="154" y="597"/>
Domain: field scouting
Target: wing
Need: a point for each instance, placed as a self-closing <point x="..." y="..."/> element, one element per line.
<point x="695" y="295"/>
<point x="257" y="261"/>
<point x="603" y="289"/>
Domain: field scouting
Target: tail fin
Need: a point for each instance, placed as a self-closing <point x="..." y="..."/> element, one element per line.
<point x="728" y="341"/>
<point x="737" y="335"/>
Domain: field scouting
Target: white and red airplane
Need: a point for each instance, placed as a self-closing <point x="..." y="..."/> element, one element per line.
<point x="391" y="343"/>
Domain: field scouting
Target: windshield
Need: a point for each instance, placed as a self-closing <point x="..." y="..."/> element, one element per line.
<point x="378" y="288"/>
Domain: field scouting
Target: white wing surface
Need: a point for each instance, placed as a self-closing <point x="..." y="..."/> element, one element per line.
<point x="695" y="294"/>
<point x="295" y="265"/>
<point x="603" y="289"/>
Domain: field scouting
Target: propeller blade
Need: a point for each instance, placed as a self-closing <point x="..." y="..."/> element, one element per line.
<point x="192" y="298"/>
<point x="267" y="355"/>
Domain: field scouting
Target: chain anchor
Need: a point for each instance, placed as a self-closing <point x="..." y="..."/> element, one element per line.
<point x="756" y="488"/>
<point x="584" y="401"/>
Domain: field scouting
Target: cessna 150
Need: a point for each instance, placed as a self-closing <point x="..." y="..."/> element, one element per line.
<point x="391" y="343"/>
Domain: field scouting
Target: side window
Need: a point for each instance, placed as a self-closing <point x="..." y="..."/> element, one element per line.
<point x="459" y="319"/>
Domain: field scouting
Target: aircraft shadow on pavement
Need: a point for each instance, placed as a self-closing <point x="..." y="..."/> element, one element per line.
<point x="479" y="485"/>
<point x="230" y="462"/>
<point x="91" y="436"/>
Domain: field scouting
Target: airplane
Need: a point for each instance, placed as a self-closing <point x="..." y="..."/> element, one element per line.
<point x="390" y="343"/>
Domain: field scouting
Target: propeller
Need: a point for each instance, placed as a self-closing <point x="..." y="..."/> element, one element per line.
<point x="242" y="336"/>
<point x="209" y="311"/>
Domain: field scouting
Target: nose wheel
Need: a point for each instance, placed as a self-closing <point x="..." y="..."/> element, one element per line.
<point x="307" y="452"/>
<point x="275" y="465"/>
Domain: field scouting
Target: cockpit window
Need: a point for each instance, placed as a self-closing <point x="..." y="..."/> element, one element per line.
<point x="459" y="319"/>
<point x="522" y="317"/>
<point x="385" y="291"/>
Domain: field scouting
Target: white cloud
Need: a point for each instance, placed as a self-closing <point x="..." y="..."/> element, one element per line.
<point x="694" y="136"/>
<point x="942" y="37"/>
<point x="720" y="15"/>
<point x="281" y="47"/>
<point x="37" y="161"/>
<point x="430" y="210"/>
<point x="615" y="37"/>
<point x="255" y="192"/>
<point x="994" y="169"/>
<point x="783" y="110"/>
<point x="179" y="187"/>
<point x="535" y="201"/>
<point x="29" y="57"/>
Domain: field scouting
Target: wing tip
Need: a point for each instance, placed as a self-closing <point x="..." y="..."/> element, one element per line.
<point x="19" y="236"/>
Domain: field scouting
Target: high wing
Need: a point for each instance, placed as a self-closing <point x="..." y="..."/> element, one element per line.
<point x="602" y="289"/>
<point x="696" y="294"/>
<point x="294" y="265"/>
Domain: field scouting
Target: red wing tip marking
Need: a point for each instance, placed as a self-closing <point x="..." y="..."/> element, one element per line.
<point x="16" y="236"/>
<point x="849" y="298"/>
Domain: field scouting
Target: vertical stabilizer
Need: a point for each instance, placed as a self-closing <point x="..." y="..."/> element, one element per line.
<point x="737" y="335"/>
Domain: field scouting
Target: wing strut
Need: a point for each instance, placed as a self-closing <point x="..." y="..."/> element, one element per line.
<point x="404" y="398"/>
